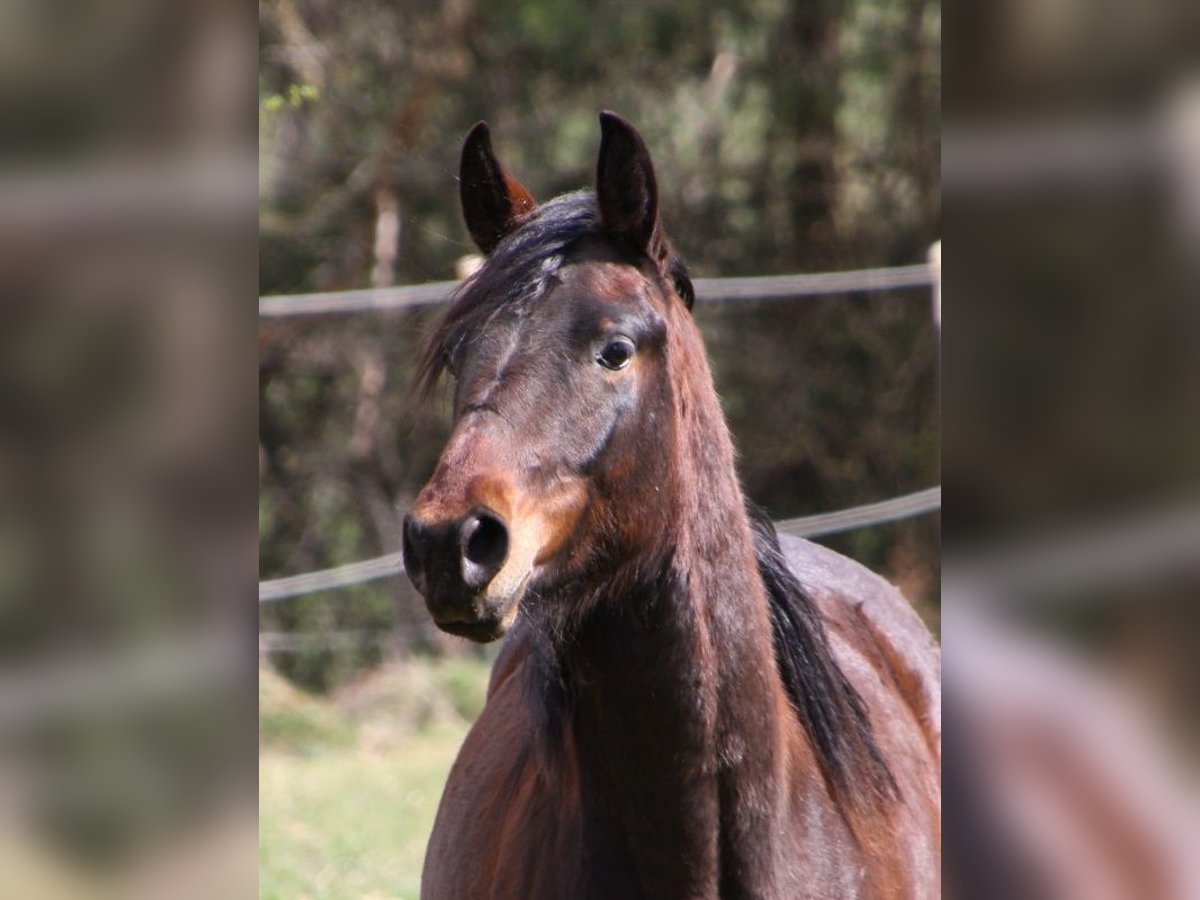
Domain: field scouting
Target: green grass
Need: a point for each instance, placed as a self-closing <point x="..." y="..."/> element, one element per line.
<point x="348" y="788"/>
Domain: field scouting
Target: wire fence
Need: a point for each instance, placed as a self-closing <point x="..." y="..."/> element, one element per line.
<point x="709" y="290"/>
<point x="397" y="635"/>
<point x="806" y="526"/>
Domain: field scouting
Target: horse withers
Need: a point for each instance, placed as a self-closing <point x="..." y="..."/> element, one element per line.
<point x="686" y="705"/>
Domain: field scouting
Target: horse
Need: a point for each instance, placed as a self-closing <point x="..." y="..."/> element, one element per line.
<point x="686" y="705"/>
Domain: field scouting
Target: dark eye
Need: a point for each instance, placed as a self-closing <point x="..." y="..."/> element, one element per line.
<point x="616" y="353"/>
<point x="448" y="363"/>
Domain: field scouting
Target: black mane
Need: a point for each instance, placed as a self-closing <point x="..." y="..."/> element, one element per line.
<point x="827" y="705"/>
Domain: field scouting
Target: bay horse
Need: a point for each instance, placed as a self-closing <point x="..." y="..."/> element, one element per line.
<point x="686" y="706"/>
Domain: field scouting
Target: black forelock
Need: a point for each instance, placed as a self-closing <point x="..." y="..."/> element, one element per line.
<point x="513" y="278"/>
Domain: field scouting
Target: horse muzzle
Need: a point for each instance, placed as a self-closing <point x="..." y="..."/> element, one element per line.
<point x="454" y="565"/>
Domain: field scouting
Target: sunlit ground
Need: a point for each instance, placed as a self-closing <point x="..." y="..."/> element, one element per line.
<point x="348" y="787"/>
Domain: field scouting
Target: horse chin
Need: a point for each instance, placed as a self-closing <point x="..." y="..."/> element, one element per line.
<point x="488" y="627"/>
<point x="482" y="632"/>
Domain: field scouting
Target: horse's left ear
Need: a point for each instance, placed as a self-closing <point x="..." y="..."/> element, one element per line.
<point x="625" y="186"/>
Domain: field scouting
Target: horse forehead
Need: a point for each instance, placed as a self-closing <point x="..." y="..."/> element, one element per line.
<point x="611" y="282"/>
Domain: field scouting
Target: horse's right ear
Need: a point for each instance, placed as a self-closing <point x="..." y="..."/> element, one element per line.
<point x="493" y="202"/>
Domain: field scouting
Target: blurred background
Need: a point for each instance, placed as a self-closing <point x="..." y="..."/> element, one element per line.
<point x="788" y="138"/>
<point x="127" y="422"/>
<point x="1071" y="567"/>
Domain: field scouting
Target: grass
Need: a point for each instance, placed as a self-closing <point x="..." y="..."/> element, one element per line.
<point x="348" y="787"/>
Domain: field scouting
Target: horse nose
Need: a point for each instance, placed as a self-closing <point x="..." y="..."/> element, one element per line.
<point x="416" y="547"/>
<point x="476" y="545"/>
<point x="483" y="537"/>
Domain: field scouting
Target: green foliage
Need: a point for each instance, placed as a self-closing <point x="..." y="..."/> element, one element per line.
<point x="294" y="98"/>
<point x="467" y="693"/>
<point x="291" y="720"/>
<point x="404" y="698"/>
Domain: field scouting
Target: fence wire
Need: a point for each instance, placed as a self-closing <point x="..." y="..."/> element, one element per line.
<point x="708" y="290"/>
<point x="392" y="564"/>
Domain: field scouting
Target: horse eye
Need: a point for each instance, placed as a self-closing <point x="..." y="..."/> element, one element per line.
<point x="616" y="353"/>
<point x="448" y="363"/>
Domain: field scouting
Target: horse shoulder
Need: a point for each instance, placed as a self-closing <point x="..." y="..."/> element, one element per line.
<point x="890" y="657"/>
<point x="864" y="611"/>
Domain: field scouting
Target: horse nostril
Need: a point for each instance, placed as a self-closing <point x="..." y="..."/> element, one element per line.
<point x="414" y="546"/>
<point x="484" y="547"/>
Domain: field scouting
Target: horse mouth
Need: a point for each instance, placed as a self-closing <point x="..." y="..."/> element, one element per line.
<point x="487" y="626"/>
<point x="483" y="632"/>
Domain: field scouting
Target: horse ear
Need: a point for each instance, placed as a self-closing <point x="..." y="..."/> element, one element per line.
<point x="493" y="202"/>
<point x="625" y="185"/>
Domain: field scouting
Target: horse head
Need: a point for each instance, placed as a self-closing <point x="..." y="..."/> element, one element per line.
<point x="558" y="346"/>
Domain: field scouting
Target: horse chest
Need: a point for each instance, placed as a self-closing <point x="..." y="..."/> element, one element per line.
<point x="510" y="825"/>
<point x="504" y="830"/>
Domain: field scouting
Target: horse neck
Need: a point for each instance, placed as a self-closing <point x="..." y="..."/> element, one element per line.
<point x="715" y="559"/>
<point x="673" y="683"/>
<point x="714" y="547"/>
